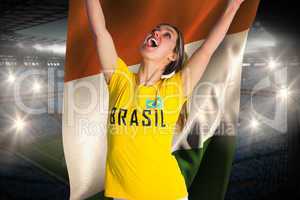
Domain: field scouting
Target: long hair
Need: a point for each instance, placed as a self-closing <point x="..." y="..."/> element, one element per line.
<point x="175" y="66"/>
<point x="179" y="50"/>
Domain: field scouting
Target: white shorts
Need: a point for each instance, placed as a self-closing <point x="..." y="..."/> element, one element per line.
<point x="185" y="198"/>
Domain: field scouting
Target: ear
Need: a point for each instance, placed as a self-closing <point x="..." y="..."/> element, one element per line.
<point x="172" y="56"/>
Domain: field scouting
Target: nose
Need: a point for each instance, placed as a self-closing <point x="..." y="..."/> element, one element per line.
<point x="155" y="33"/>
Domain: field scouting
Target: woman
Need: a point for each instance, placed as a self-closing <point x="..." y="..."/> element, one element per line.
<point x="144" y="107"/>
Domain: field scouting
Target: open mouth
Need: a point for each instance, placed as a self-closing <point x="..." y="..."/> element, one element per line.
<point x="152" y="42"/>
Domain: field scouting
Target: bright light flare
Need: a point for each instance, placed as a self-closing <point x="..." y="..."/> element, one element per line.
<point x="283" y="93"/>
<point x="254" y="124"/>
<point x="272" y="64"/>
<point x="11" y="78"/>
<point x="19" y="124"/>
<point x="36" y="87"/>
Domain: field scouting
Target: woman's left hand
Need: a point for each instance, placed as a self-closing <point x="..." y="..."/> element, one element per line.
<point x="235" y="4"/>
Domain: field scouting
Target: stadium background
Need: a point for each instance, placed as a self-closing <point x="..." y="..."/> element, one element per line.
<point x="32" y="165"/>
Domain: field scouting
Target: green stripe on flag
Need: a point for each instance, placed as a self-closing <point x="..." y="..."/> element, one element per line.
<point x="211" y="180"/>
<point x="189" y="161"/>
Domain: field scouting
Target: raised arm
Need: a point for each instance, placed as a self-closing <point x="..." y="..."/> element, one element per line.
<point x="196" y="65"/>
<point x="104" y="42"/>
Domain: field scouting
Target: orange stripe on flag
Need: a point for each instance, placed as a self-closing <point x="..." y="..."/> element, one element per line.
<point x="129" y="21"/>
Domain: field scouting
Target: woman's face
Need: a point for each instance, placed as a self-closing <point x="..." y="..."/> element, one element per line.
<point x="159" y="44"/>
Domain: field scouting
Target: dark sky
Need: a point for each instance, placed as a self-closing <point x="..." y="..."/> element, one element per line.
<point x="280" y="16"/>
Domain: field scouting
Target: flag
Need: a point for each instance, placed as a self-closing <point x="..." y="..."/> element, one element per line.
<point x="205" y="147"/>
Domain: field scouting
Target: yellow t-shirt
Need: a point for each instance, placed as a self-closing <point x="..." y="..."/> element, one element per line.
<point x="139" y="164"/>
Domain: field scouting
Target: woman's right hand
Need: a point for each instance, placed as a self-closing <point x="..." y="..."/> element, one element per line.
<point x="105" y="46"/>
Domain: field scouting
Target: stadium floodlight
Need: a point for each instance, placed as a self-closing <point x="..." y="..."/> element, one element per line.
<point x="58" y="49"/>
<point x="11" y="78"/>
<point x="254" y="124"/>
<point x="19" y="124"/>
<point x="38" y="47"/>
<point x="246" y="64"/>
<point x="36" y="87"/>
<point x="283" y="93"/>
<point x="55" y="48"/>
<point x="272" y="64"/>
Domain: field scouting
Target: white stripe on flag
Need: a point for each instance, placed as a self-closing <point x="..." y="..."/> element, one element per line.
<point x="85" y="114"/>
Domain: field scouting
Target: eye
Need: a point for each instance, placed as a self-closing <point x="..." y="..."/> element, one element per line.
<point x="167" y="34"/>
